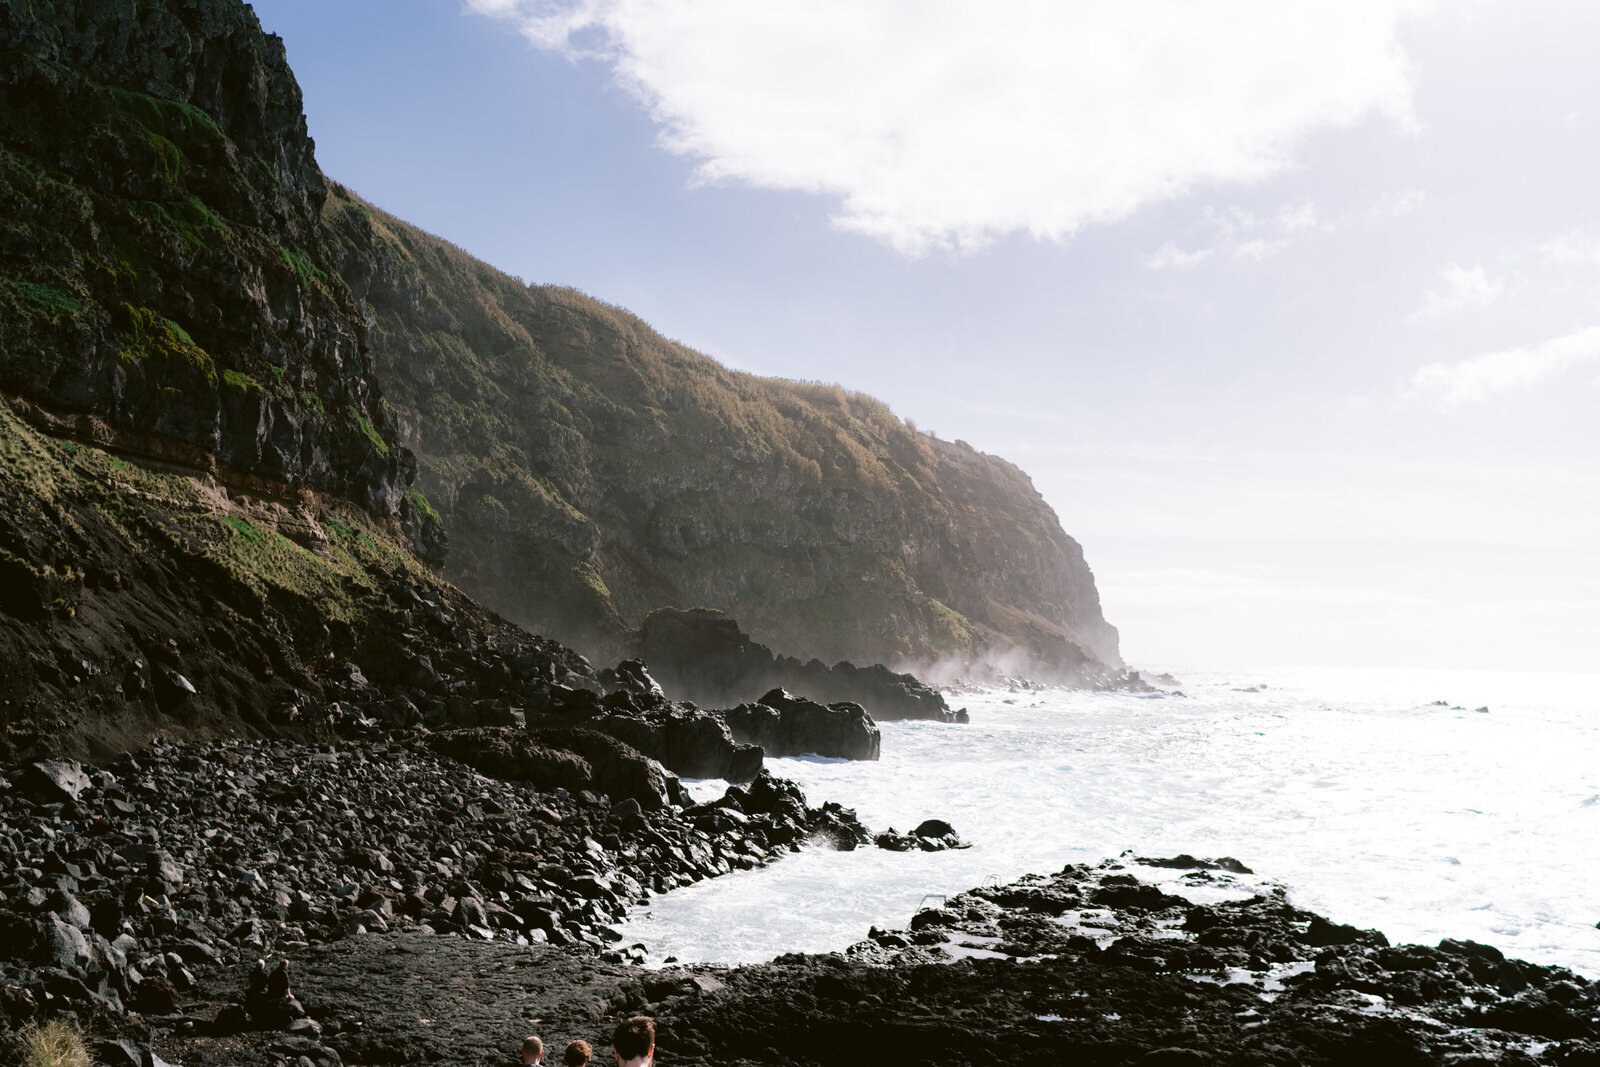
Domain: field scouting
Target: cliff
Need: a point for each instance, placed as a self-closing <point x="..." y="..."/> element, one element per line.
<point x="590" y="471"/>
<point x="163" y="280"/>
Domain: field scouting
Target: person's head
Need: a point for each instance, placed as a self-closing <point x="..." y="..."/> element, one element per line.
<point x="532" y="1050"/>
<point x="578" y="1053"/>
<point x="634" y="1040"/>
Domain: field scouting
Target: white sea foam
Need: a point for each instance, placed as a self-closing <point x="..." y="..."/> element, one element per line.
<point x="1373" y="805"/>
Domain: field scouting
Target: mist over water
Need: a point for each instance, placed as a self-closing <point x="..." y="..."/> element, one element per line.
<point x="1371" y="804"/>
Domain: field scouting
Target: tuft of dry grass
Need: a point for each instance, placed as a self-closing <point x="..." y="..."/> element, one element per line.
<point x="56" y="1043"/>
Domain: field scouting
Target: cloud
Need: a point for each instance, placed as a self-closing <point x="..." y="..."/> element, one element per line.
<point x="1395" y="204"/>
<point x="1567" y="263"/>
<point x="938" y="123"/>
<point x="1575" y="249"/>
<point x="1480" y="377"/>
<point x="1170" y="256"/>
<point x="1242" y="234"/>
<point x="1258" y="248"/>
<point x="1459" y="288"/>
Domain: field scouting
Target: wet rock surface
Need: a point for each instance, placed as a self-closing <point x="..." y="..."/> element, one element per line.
<point x="782" y="724"/>
<point x="1095" y="965"/>
<point x="711" y="743"/>
<point x="930" y="835"/>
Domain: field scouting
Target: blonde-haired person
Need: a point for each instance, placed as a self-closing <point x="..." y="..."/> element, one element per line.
<point x="578" y="1054"/>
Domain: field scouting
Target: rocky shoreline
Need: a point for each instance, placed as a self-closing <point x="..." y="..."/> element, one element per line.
<point x="129" y="887"/>
<point x="430" y="913"/>
<point x="1100" y="965"/>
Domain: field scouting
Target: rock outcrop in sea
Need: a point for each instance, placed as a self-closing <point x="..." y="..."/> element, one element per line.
<point x="1098" y="965"/>
<point x="702" y="655"/>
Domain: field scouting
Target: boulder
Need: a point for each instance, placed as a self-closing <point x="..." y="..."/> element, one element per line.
<point x="54" y="780"/>
<point x="65" y="946"/>
<point x="618" y="770"/>
<point x="686" y="740"/>
<point x="634" y="678"/>
<point x="164" y="871"/>
<point x="787" y="725"/>
<point x="931" y="835"/>
<point x="511" y="754"/>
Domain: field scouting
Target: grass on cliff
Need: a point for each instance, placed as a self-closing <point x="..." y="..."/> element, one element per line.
<point x="47" y="480"/>
<point x="163" y="264"/>
<point x="166" y="118"/>
<point x="586" y="366"/>
<point x="27" y="300"/>
<point x="147" y="337"/>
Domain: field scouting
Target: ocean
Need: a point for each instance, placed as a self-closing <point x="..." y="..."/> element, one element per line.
<point x="1384" y="799"/>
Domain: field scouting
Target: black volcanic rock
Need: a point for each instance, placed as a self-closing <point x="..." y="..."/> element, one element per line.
<point x="509" y="753"/>
<point x="1036" y="969"/>
<point x="711" y="743"/>
<point x="931" y="835"/>
<point x="177" y="869"/>
<point x="1002" y="974"/>
<point x="686" y="739"/>
<point x="53" y="779"/>
<point x="787" y="725"/>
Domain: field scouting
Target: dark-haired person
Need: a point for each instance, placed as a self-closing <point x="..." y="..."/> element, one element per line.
<point x="578" y="1054"/>
<point x="532" y="1049"/>
<point x="634" y="1041"/>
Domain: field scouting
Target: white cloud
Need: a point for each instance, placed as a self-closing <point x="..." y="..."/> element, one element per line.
<point x="1295" y="217"/>
<point x="1394" y="205"/>
<point x="1170" y="256"/>
<point x="1246" y="235"/>
<point x="1242" y="234"/>
<point x="1459" y="288"/>
<point x="1575" y="249"/>
<point x="1480" y="377"/>
<point x="951" y="123"/>
<point x="1259" y="248"/>
<point x="1525" y="277"/>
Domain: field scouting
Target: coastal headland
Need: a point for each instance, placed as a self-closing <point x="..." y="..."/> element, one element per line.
<point x="285" y="484"/>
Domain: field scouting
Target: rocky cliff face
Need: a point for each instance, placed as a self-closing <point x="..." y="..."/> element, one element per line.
<point x="590" y="471"/>
<point x="163" y="281"/>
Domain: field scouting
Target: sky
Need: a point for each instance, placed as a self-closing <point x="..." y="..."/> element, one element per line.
<point x="1291" y="311"/>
